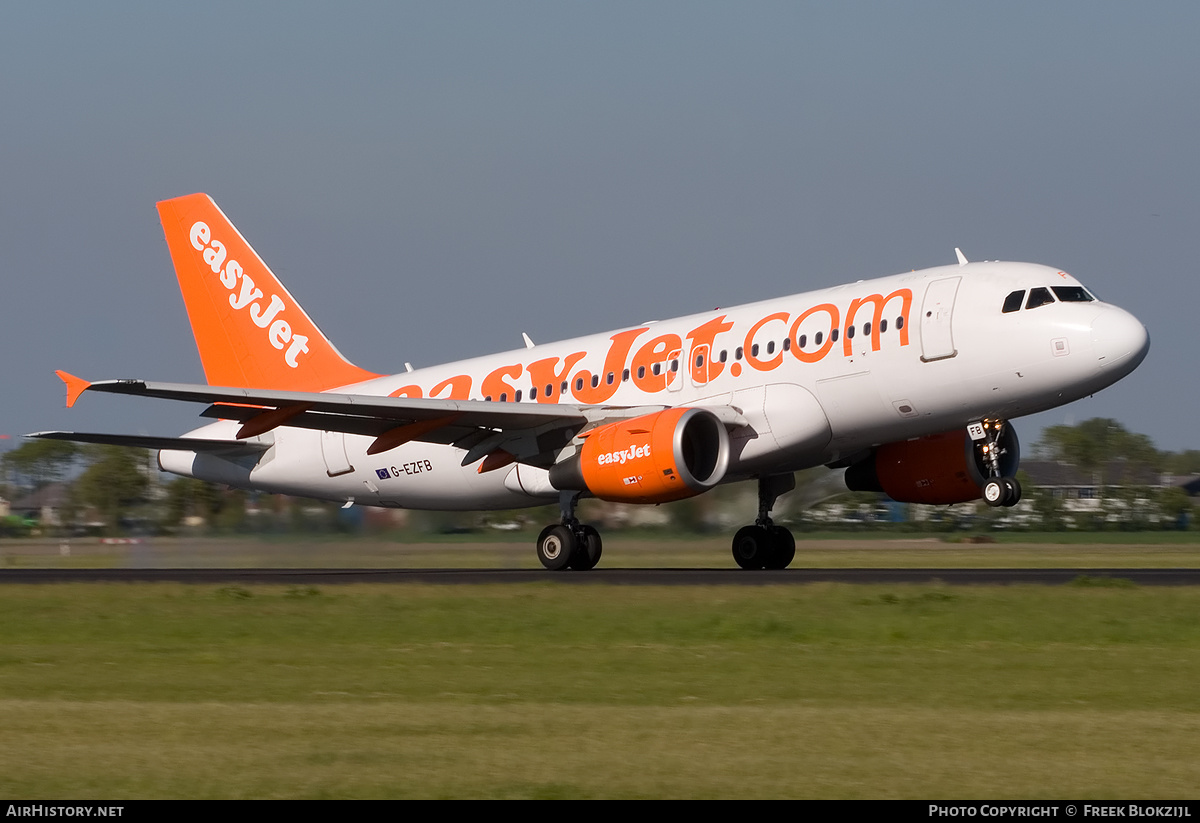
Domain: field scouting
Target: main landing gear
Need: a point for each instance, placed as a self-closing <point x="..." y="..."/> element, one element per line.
<point x="569" y="544"/>
<point x="574" y="545"/>
<point x="765" y="545"/>
<point x="997" y="490"/>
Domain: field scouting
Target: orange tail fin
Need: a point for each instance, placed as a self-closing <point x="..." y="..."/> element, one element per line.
<point x="249" y="330"/>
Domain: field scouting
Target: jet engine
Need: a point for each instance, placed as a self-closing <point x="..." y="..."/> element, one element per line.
<point x="656" y="458"/>
<point x="940" y="469"/>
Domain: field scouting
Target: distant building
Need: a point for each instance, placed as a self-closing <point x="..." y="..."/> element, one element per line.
<point x="1068" y="482"/>
<point x="44" y="505"/>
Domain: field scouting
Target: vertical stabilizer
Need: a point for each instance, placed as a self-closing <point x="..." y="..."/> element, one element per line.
<point x="249" y="330"/>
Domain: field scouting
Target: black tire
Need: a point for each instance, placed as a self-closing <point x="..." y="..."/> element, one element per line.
<point x="555" y="547"/>
<point x="588" y="548"/>
<point x="994" y="492"/>
<point x="1012" y="491"/>
<point x="782" y="549"/>
<point x="751" y="547"/>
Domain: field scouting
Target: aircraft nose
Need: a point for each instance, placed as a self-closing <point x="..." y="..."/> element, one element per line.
<point x="1119" y="340"/>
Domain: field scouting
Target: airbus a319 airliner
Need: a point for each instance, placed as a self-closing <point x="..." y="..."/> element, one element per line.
<point x="907" y="381"/>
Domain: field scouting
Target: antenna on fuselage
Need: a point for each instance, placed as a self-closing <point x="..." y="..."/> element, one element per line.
<point x="962" y="258"/>
<point x="528" y="342"/>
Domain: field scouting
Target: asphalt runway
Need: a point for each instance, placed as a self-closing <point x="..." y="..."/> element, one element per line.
<point x="619" y="577"/>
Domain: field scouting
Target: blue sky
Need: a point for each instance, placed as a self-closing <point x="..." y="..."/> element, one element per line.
<point x="432" y="179"/>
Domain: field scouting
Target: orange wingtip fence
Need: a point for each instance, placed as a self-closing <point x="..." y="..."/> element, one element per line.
<point x="75" y="386"/>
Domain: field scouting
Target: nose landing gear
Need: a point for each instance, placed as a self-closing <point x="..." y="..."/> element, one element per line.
<point x="997" y="490"/>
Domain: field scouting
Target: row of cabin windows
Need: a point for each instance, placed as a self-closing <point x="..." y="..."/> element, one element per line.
<point x="673" y="365"/>
<point x="1042" y="296"/>
<point x="818" y="339"/>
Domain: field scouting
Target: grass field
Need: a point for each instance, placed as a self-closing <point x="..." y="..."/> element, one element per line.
<point x="542" y="690"/>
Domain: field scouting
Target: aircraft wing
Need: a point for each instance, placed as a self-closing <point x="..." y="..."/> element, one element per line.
<point x="530" y="432"/>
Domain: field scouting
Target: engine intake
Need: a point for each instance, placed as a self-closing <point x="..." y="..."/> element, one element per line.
<point x="656" y="458"/>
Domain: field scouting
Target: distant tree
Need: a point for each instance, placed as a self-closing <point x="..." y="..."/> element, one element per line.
<point x="188" y="497"/>
<point x="1093" y="444"/>
<point x="38" y="463"/>
<point x="1174" y="505"/>
<point x="1049" y="509"/>
<point x="1185" y="463"/>
<point x="114" y="482"/>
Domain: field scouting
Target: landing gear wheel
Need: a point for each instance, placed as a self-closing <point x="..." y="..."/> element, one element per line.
<point x="588" y="548"/>
<point x="1012" y="491"/>
<point x="995" y="492"/>
<point x="782" y="550"/>
<point x="751" y="547"/>
<point x="556" y="546"/>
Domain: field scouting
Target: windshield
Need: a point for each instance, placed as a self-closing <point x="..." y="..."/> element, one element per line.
<point x="1072" y="294"/>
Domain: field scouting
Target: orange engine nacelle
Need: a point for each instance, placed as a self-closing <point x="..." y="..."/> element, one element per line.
<point x="656" y="458"/>
<point x="939" y="469"/>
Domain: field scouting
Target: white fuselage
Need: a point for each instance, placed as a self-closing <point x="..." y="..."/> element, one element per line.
<point x="818" y="377"/>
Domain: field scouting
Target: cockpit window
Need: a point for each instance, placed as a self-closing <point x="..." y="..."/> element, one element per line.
<point x="1013" y="301"/>
<point x="1072" y="294"/>
<point x="1038" y="297"/>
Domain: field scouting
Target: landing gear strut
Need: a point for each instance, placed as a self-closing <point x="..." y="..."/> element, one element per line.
<point x="569" y="544"/>
<point x="997" y="490"/>
<point x="765" y="545"/>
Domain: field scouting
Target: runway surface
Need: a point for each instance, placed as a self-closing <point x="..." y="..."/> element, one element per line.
<point x="623" y="577"/>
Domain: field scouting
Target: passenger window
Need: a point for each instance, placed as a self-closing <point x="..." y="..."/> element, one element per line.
<point x="900" y="322"/>
<point x="517" y="396"/>
<point x="882" y="326"/>
<point x="532" y="393"/>
<point x="1072" y="294"/>
<point x="803" y="340"/>
<point x="1013" y="301"/>
<point x="1039" y="297"/>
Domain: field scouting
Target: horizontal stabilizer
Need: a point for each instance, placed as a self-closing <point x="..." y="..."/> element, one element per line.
<point x="139" y="441"/>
